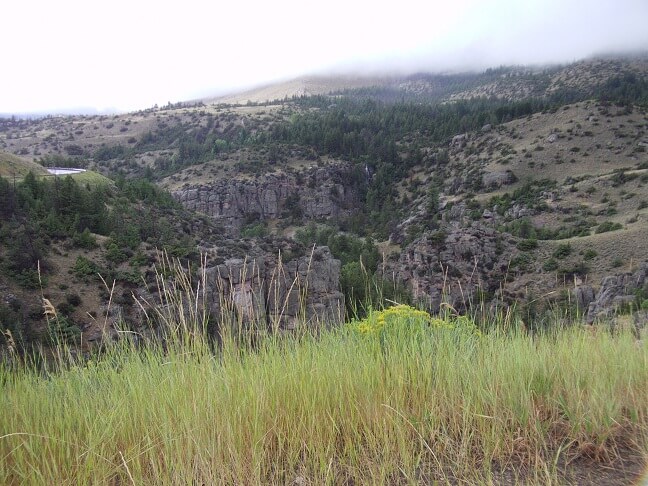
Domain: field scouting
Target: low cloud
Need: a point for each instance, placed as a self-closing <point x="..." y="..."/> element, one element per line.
<point x="132" y="55"/>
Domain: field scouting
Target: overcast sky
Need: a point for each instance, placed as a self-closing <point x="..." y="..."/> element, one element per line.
<point x="131" y="54"/>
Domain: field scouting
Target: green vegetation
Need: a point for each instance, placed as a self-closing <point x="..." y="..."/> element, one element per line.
<point x="13" y="166"/>
<point x="550" y="265"/>
<point x="426" y="403"/>
<point x="254" y="230"/>
<point x="608" y="226"/>
<point x="562" y="251"/>
<point x="41" y="216"/>
<point x="528" y="244"/>
<point x="626" y="89"/>
<point x="90" y="177"/>
<point x="524" y="228"/>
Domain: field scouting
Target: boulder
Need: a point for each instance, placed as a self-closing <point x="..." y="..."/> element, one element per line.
<point x="459" y="140"/>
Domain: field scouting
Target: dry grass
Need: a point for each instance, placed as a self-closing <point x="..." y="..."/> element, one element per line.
<point x="307" y="85"/>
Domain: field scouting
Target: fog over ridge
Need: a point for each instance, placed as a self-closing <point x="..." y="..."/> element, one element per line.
<point x="132" y="55"/>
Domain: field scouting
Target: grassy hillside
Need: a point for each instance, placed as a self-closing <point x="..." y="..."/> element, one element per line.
<point x="14" y="166"/>
<point x="91" y="177"/>
<point x="591" y="157"/>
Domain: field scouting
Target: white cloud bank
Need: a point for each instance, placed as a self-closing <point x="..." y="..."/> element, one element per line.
<point x="133" y="54"/>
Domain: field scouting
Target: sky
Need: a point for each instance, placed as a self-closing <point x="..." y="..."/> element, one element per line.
<point x="132" y="54"/>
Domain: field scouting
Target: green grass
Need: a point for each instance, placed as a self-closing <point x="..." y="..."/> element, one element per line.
<point x="340" y="407"/>
<point x="87" y="177"/>
<point x="14" y="166"/>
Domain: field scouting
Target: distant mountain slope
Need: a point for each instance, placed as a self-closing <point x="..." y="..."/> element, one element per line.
<point x="584" y="76"/>
<point x="506" y="82"/>
<point x="303" y="86"/>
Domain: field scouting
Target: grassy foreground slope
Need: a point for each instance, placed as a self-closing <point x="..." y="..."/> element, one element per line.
<point x="415" y="401"/>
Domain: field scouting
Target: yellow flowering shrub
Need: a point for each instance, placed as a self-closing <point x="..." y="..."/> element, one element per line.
<point x="405" y="317"/>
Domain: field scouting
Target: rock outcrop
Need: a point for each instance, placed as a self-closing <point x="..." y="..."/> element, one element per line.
<point x="618" y="292"/>
<point x="267" y="293"/>
<point x="322" y="193"/>
<point x="584" y="295"/>
<point x="452" y="266"/>
<point x="497" y="179"/>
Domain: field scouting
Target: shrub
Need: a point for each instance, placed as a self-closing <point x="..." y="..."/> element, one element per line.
<point x="73" y="300"/>
<point x="74" y="150"/>
<point x="403" y="319"/>
<point x="621" y="177"/>
<point x="437" y="238"/>
<point x="84" y="267"/>
<point x="114" y="253"/>
<point x="65" y="308"/>
<point x="254" y="230"/>
<point x="607" y="226"/>
<point x="107" y="153"/>
<point x="571" y="271"/>
<point x="85" y="240"/>
<point x="28" y="279"/>
<point x="528" y="244"/>
<point x="62" y="329"/>
<point x="550" y="265"/>
<point x="562" y="251"/>
<point x="521" y="262"/>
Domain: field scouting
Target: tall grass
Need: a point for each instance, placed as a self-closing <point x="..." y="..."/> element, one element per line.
<point x="334" y="408"/>
<point x="330" y="410"/>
